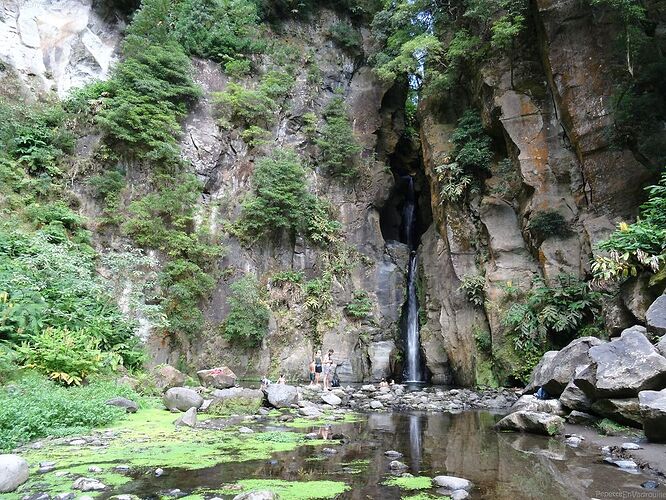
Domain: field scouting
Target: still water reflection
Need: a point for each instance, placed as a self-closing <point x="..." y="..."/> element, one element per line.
<point x="501" y="466"/>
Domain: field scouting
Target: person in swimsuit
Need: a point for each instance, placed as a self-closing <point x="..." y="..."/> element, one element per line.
<point x="328" y="369"/>
<point x="312" y="368"/>
<point x="318" y="366"/>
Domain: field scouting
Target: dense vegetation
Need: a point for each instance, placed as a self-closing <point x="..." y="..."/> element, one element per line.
<point x="641" y="246"/>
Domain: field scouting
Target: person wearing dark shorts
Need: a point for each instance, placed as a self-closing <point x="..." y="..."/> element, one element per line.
<point x="312" y="367"/>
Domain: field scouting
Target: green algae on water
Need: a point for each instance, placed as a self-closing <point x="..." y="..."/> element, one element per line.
<point x="296" y="490"/>
<point x="409" y="482"/>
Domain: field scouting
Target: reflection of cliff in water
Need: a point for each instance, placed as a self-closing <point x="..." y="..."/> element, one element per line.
<point x="502" y="466"/>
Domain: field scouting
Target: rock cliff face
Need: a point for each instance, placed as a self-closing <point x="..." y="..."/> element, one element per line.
<point x="548" y="111"/>
<point x="57" y="45"/>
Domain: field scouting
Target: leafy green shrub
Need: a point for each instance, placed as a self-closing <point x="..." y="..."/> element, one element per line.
<point x="638" y="246"/>
<point x="32" y="408"/>
<point x="36" y="136"/>
<point x="247" y="321"/>
<point x="551" y="315"/>
<point x="237" y="68"/>
<point x="8" y="363"/>
<point x="44" y="284"/>
<point x="247" y="107"/>
<point x="280" y="201"/>
<point x="282" y="277"/>
<point x="67" y="357"/>
<point x="471" y="158"/>
<point x="346" y="37"/>
<point x="217" y="29"/>
<point x="473" y="288"/>
<point x="255" y="136"/>
<point x="546" y="224"/>
<point x="107" y="187"/>
<point x="149" y="92"/>
<point x="337" y="144"/>
<point x="360" y="306"/>
<point x="483" y="340"/>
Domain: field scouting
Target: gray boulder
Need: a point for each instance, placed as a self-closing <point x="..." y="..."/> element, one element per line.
<point x="281" y="395"/>
<point x="574" y="398"/>
<point x="182" y="398"/>
<point x="236" y="400"/>
<point x="220" y="378"/>
<point x="88" y="484"/>
<point x="653" y="411"/>
<point x="166" y="377"/>
<point x="622" y="368"/>
<point x="581" y="418"/>
<point x="541" y="372"/>
<point x="129" y="405"/>
<point x="532" y="422"/>
<point x="623" y="411"/>
<point x="453" y="483"/>
<point x="331" y="399"/>
<point x="655" y="317"/>
<point x="187" y="419"/>
<point x="13" y="472"/>
<point x="557" y="370"/>
<point x="531" y="403"/>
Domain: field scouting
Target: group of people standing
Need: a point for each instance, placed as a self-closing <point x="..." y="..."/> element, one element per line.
<point x="323" y="369"/>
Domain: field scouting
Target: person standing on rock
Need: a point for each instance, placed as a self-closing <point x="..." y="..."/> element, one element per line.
<point x="311" y="368"/>
<point x="328" y="369"/>
<point x="318" y="366"/>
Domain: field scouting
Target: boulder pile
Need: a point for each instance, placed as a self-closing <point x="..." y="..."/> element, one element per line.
<point x="623" y="380"/>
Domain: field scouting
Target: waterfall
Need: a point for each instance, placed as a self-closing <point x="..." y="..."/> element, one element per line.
<point x="413" y="371"/>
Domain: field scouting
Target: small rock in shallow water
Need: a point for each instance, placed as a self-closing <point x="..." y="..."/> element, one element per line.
<point x="628" y="465"/>
<point x="64" y="496"/>
<point x="175" y="493"/>
<point x="37" y="496"/>
<point x="650" y="485"/>
<point x="631" y="446"/>
<point x="311" y="435"/>
<point x="396" y="465"/>
<point x="573" y="441"/>
<point x="94" y="468"/>
<point x="263" y="411"/>
<point x="329" y="451"/>
<point x="159" y="472"/>
<point x="77" y="442"/>
<point x="393" y="454"/>
<point x="453" y="483"/>
<point x="376" y="405"/>
<point x="121" y="468"/>
<point x="256" y="495"/>
<point x="245" y="430"/>
<point x="606" y="450"/>
<point x="88" y="484"/>
<point x="459" y="495"/>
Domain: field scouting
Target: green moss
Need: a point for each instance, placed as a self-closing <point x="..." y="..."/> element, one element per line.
<point x="296" y="490"/>
<point x="149" y="439"/>
<point x="409" y="482"/>
<point x="234" y="406"/>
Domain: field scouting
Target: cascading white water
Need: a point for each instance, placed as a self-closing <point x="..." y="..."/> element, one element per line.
<point x="413" y="371"/>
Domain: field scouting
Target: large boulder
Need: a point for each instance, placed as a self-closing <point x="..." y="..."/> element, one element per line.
<point x="623" y="411"/>
<point x="531" y="403"/>
<point x="182" y="398"/>
<point x="533" y="422"/>
<point x="623" y="367"/>
<point x="653" y="412"/>
<point x="655" y="317"/>
<point x="281" y="395"/>
<point x="129" y="405"/>
<point x="166" y="377"/>
<point x="555" y="371"/>
<point x="13" y="472"/>
<point x="220" y="378"/>
<point x="236" y="400"/>
<point x="574" y="398"/>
